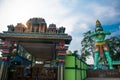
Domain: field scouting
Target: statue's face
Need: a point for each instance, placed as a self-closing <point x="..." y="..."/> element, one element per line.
<point x="98" y="29"/>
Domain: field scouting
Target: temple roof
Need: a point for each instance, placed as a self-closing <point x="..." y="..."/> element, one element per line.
<point x="20" y="25"/>
<point x="41" y="43"/>
<point x="52" y="26"/>
<point x="31" y="37"/>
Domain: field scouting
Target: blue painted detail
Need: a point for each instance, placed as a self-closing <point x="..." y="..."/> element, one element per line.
<point x="0" y="62"/>
<point x="61" y="64"/>
<point x="22" y="60"/>
<point x="18" y="60"/>
<point x="5" y="55"/>
<point x="35" y="23"/>
<point x="61" y="57"/>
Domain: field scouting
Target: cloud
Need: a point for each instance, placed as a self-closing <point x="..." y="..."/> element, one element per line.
<point x="78" y="16"/>
<point x="116" y="33"/>
<point x="75" y="44"/>
<point x="90" y="60"/>
<point x="77" y="35"/>
<point x="105" y="11"/>
<point x="15" y="11"/>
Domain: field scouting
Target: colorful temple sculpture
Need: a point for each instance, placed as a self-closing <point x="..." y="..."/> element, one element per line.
<point x="36" y="25"/>
<point x="101" y="47"/>
<point x="25" y="46"/>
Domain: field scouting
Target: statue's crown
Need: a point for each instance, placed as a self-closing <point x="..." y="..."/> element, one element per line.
<point x="98" y="22"/>
<point x="98" y="26"/>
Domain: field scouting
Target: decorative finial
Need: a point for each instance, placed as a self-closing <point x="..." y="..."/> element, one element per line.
<point x="98" y="22"/>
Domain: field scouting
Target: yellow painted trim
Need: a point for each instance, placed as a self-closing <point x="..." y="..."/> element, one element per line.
<point x="105" y="48"/>
<point x="1" y="58"/>
<point x="100" y="43"/>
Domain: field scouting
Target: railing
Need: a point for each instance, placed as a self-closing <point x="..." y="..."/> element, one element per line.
<point x="75" y="69"/>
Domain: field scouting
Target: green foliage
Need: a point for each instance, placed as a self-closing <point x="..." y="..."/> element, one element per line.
<point x="114" y="47"/>
<point x="72" y="53"/>
<point x="87" y="46"/>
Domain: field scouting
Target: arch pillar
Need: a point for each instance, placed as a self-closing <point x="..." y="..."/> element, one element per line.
<point x="7" y="49"/>
<point x="61" y="52"/>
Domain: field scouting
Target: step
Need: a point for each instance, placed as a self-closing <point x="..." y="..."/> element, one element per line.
<point x="103" y="79"/>
<point x="103" y="74"/>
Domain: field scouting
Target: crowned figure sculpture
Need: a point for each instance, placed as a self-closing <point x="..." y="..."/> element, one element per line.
<point x="101" y="48"/>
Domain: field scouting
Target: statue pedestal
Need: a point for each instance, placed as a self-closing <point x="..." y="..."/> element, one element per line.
<point x="103" y="73"/>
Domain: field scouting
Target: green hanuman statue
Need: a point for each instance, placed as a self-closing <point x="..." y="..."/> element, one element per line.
<point x="101" y="47"/>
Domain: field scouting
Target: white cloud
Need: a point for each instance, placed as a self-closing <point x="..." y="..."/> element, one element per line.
<point x="116" y="33"/>
<point x="105" y="11"/>
<point x="90" y="60"/>
<point x="75" y="44"/>
<point x="77" y="36"/>
<point x="15" y="11"/>
<point x="77" y="16"/>
<point x="69" y="23"/>
<point x="84" y="27"/>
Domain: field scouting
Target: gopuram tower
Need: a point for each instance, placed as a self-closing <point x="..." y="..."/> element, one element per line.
<point x="41" y="42"/>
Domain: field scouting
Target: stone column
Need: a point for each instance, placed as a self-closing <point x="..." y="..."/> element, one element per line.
<point x="4" y="66"/>
<point x="39" y="28"/>
<point x="61" y="61"/>
<point x="30" y="28"/>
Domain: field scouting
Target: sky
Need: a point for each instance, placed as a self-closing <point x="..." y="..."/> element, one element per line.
<point x="77" y="16"/>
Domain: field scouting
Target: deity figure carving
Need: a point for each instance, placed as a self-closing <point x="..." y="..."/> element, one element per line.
<point x="36" y="25"/>
<point x="61" y="30"/>
<point x="10" y="28"/>
<point x="52" y="28"/>
<point x="20" y="28"/>
<point x="101" y="48"/>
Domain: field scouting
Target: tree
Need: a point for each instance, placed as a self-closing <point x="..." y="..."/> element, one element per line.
<point x="72" y="53"/>
<point x="114" y="47"/>
<point x="87" y="46"/>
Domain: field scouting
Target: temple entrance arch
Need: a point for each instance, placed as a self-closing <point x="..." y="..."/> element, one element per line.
<point x="47" y="45"/>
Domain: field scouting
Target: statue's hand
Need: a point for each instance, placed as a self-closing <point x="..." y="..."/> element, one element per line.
<point x="108" y="33"/>
<point x="101" y="32"/>
<point x="98" y="32"/>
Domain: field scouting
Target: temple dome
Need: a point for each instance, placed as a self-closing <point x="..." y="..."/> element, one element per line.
<point x="19" y="28"/>
<point x="35" y="21"/>
<point x="52" y="26"/>
<point x="36" y="25"/>
<point x="20" y="25"/>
